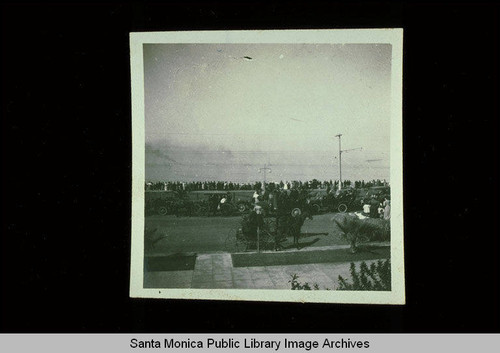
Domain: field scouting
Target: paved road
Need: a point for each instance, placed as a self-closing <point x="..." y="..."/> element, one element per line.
<point x="208" y="234"/>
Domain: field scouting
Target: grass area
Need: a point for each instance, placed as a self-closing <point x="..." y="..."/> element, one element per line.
<point x="175" y="262"/>
<point x="365" y="252"/>
<point x="170" y="234"/>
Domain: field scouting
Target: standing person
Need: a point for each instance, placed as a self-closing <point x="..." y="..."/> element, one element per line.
<point x="294" y="196"/>
<point x="256" y="197"/>
<point x="374" y="204"/>
<point x="214" y="203"/>
<point x="273" y="200"/>
<point x="225" y="204"/>
<point x="255" y="223"/>
<point x="366" y="209"/>
<point x="283" y="219"/>
<point x="387" y="208"/>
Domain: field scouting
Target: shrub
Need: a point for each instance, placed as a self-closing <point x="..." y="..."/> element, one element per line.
<point x="296" y="285"/>
<point x="377" y="277"/>
<point x="356" y="230"/>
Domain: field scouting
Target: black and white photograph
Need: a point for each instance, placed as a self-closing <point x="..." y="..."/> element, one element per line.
<point x="267" y="165"/>
<point x="188" y="175"/>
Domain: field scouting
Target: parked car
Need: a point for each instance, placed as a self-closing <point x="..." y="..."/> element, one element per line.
<point x="338" y="201"/>
<point x="160" y="202"/>
<point x="319" y="200"/>
<point x="350" y="199"/>
<point x="240" y="200"/>
<point x="378" y="191"/>
<point x="345" y="200"/>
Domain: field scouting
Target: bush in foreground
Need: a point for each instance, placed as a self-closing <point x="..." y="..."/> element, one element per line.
<point x="296" y="285"/>
<point x="377" y="277"/>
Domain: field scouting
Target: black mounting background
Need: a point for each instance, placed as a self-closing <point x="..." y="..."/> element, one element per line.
<point x="66" y="160"/>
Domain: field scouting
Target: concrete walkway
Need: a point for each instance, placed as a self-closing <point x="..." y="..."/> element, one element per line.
<point x="216" y="271"/>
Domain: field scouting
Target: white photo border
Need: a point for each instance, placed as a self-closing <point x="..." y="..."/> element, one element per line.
<point x="393" y="36"/>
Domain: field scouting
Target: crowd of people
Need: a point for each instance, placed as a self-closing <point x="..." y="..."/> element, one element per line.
<point x="289" y="202"/>
<point x="290" y="210"/>
<point x="273" y="198"/>
<point x="376" y="208"/>
<point x="230" y="186"/>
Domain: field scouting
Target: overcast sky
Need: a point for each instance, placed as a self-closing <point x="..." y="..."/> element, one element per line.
<point x="221" y="111"/>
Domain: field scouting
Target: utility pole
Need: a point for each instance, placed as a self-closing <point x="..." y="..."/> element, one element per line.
<point x="264" y="170"/>
<point x="340" y="158"/>
<point x="340" y="162"/>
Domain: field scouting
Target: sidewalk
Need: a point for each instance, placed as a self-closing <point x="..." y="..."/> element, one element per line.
<point x="217" y="271"/>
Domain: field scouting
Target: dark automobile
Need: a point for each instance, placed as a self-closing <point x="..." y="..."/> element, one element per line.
<point x="319" y="200"/>
<point x="345" y="200"/>
<point x="378" y="191"/>
<point x="160" y="202"/>
<point x="169" y="203"/>
<point x="339" y="201"/>
<point x="285" y="201"/>
<point x="239" y="200"/>
<point x="242" y="200"/>
<point x="350" y="199"/>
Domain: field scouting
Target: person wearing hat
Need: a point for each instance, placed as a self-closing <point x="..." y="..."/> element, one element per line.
<point x="255" y="222"/>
